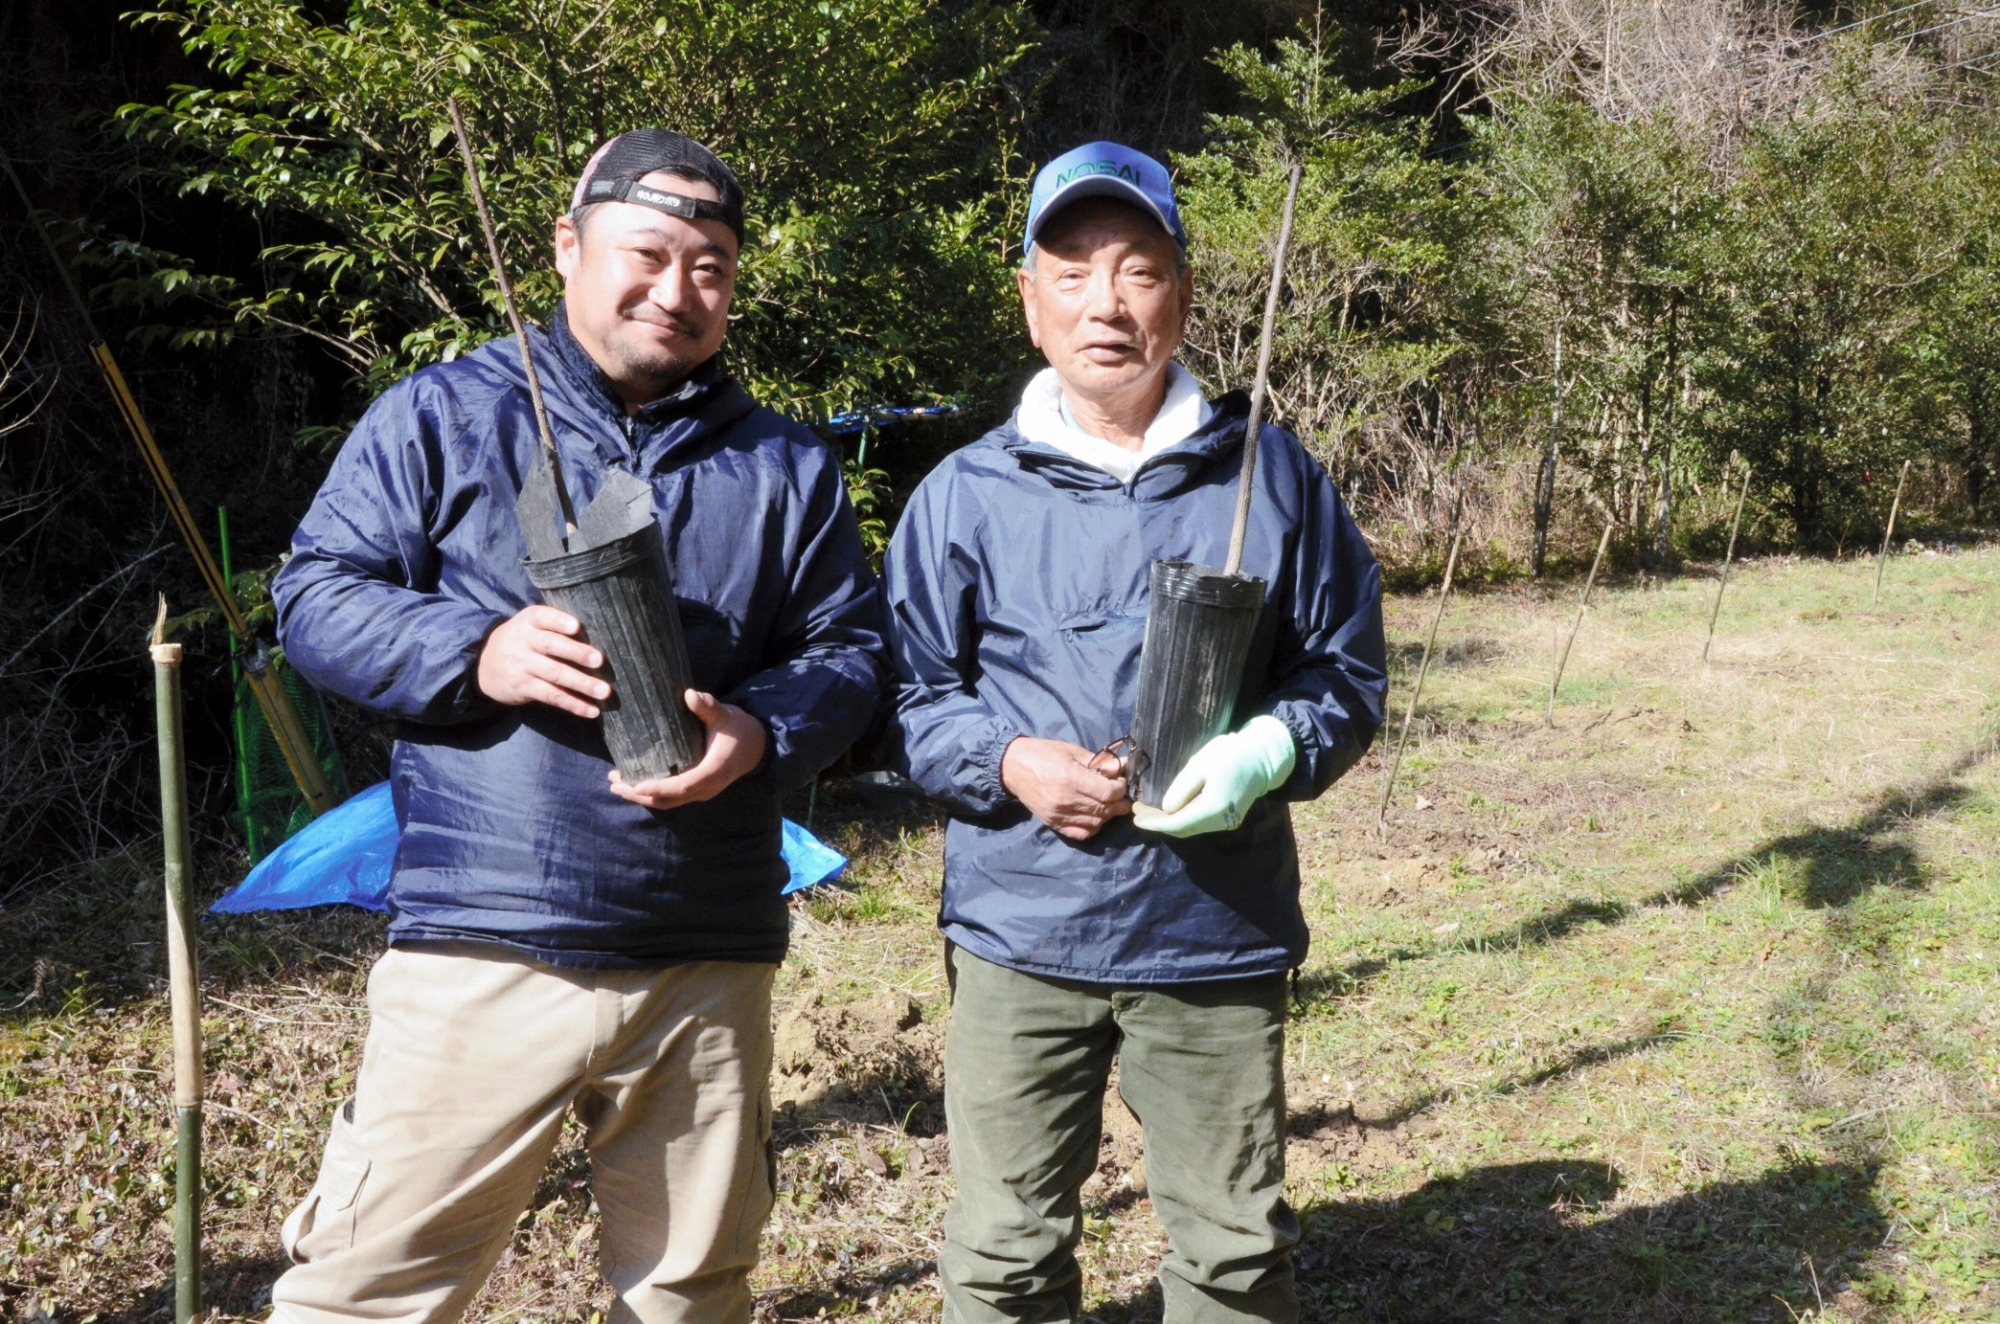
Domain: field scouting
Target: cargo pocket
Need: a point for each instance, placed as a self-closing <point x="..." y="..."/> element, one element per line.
<point x="324" y="1224"/>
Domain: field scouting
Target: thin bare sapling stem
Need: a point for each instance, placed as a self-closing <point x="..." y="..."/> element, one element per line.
<point x="514" y="316"/>
<point x="1882" y="561"/>
<point x="1562" y="658"/>
<point x="1728" y="557"/>
<point x="1417" y="690"/>
<point x="1252" y="429"/>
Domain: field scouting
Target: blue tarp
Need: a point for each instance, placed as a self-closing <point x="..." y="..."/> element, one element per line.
<point x="343" y="857"/>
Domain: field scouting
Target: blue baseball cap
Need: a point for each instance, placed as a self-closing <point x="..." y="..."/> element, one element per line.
<point x="1104" y="170"/>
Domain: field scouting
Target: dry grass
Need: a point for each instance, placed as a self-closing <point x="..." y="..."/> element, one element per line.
<point x="1681" y="1010"/>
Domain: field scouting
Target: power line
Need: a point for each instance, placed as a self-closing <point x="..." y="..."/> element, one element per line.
<point x="1940" y="27"/>
<point x="1907" y="36"/>
<point x="1960" y="64"/>
<point x="1860" y="22"/>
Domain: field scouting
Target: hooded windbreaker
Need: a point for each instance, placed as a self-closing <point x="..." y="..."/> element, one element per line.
<point x="1017" y="587"/>
<point x="410" y="556"/>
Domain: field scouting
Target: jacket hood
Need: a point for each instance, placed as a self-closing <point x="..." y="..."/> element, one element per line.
<point x="1171" y="471"/>
<point x="670" y="430"/>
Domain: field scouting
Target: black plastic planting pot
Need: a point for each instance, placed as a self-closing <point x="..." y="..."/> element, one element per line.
<point x="1199" y="623"/>
<point x="623" y="593"/>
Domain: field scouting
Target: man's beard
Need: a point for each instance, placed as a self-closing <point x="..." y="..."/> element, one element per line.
<point x="651" y="368"/>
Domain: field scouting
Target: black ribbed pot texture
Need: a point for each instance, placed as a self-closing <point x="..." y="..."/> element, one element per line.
<point x="1199" y="624"/>
<point x="623" y="594"/>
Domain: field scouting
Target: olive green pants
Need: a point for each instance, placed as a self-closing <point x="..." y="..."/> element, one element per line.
<point x="1027" y="1060"/>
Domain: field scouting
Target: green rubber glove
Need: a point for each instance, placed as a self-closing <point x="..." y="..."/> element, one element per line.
<point x="1223" y="779"/>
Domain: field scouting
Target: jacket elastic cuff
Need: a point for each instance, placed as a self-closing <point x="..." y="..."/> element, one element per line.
<point x="991" y="786"/>
<point x="769" y="761"/>
<point x="1298" y="786"/>
<point x="778" y="745"/>
<point x="1278" y="744"/>
<point x="461" y="699"/>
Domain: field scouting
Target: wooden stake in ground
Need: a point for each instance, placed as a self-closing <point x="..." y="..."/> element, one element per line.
<point x="183" y="975"/>
<point x="1417" y="690"/>
<point x="1562" y="658"/>
<point x="1727" y="557"/>
<point x="1882" y="561"/>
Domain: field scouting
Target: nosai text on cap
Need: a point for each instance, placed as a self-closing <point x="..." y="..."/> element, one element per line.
<point x="1104" y="170"/>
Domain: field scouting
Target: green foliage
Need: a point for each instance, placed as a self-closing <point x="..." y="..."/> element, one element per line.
<point x="1366" y="324"/>
<point x="1836" y="239"/>
<point x="872" y="140"/>
<point x="1812" y="295"/>
<point x="1958" y="344"/>
<point x="1535" y="315"/>
<point x="1593" y="265"/>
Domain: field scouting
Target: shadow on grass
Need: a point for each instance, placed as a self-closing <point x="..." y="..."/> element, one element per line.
<point x="1323" y="1117"/>
<point x="233" y="1288"/>
<point x="1825" y="868"/>
<point x="1522" y="1242"/>
<point x="847" y="1295"/>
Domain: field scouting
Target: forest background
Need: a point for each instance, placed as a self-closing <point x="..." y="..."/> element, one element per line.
<point x="1560" y="263"/>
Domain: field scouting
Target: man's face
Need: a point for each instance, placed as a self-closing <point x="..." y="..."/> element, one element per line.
<point x="1107" y="299"/>
<point x="648" y="293"/>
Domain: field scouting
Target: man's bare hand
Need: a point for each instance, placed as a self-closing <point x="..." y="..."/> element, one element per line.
<point x="535" y="657"/>
<point x="736" y="743"/>
<point x="1065" y="785"/>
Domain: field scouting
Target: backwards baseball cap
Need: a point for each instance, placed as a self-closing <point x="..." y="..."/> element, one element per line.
<point x="615" y="169"/>
<point x="1104" y="170"/>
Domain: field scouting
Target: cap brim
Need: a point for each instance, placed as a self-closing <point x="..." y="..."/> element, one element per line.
<point x="1097" y="186"/>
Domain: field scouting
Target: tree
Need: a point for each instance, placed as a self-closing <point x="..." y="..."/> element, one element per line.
<point x="1362" y="335"/>
<point x="1836" y="239"/>
<point x="1959" y="346"/>
<point x="1595" y="254"/>
<point x="873" y="140"/>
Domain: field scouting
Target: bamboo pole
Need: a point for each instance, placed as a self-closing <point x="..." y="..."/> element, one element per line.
<point x="265" y="685"/>
<point x="1252" y="429"/>
<point x="1562" y="658"/>
<point x="183" y="975"/>
<point x="1417" y="690"/>
<point x="1727" y="557"/>
<point x="1882" y="561"/>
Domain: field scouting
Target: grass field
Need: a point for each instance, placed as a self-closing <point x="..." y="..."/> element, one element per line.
<point x="1682" y="1009"/>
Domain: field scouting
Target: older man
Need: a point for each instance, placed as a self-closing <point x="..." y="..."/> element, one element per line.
<point x="559" y="939"/>
<point x="1017" y="587"/>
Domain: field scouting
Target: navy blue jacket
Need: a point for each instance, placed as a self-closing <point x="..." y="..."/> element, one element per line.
<point x="411" y="555"/>
<point x="1017" y="587"/>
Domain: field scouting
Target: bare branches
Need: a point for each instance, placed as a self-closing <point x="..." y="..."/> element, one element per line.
<point x="1715" y="66"/>
<point x="21" y="394"/>
<point x="1701" y="62"/>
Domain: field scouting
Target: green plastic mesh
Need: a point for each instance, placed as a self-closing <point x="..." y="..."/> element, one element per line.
<point x="269" y="804"/>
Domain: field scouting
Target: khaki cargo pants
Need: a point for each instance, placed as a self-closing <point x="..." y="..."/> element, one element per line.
<point x="474" y="1053"/>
